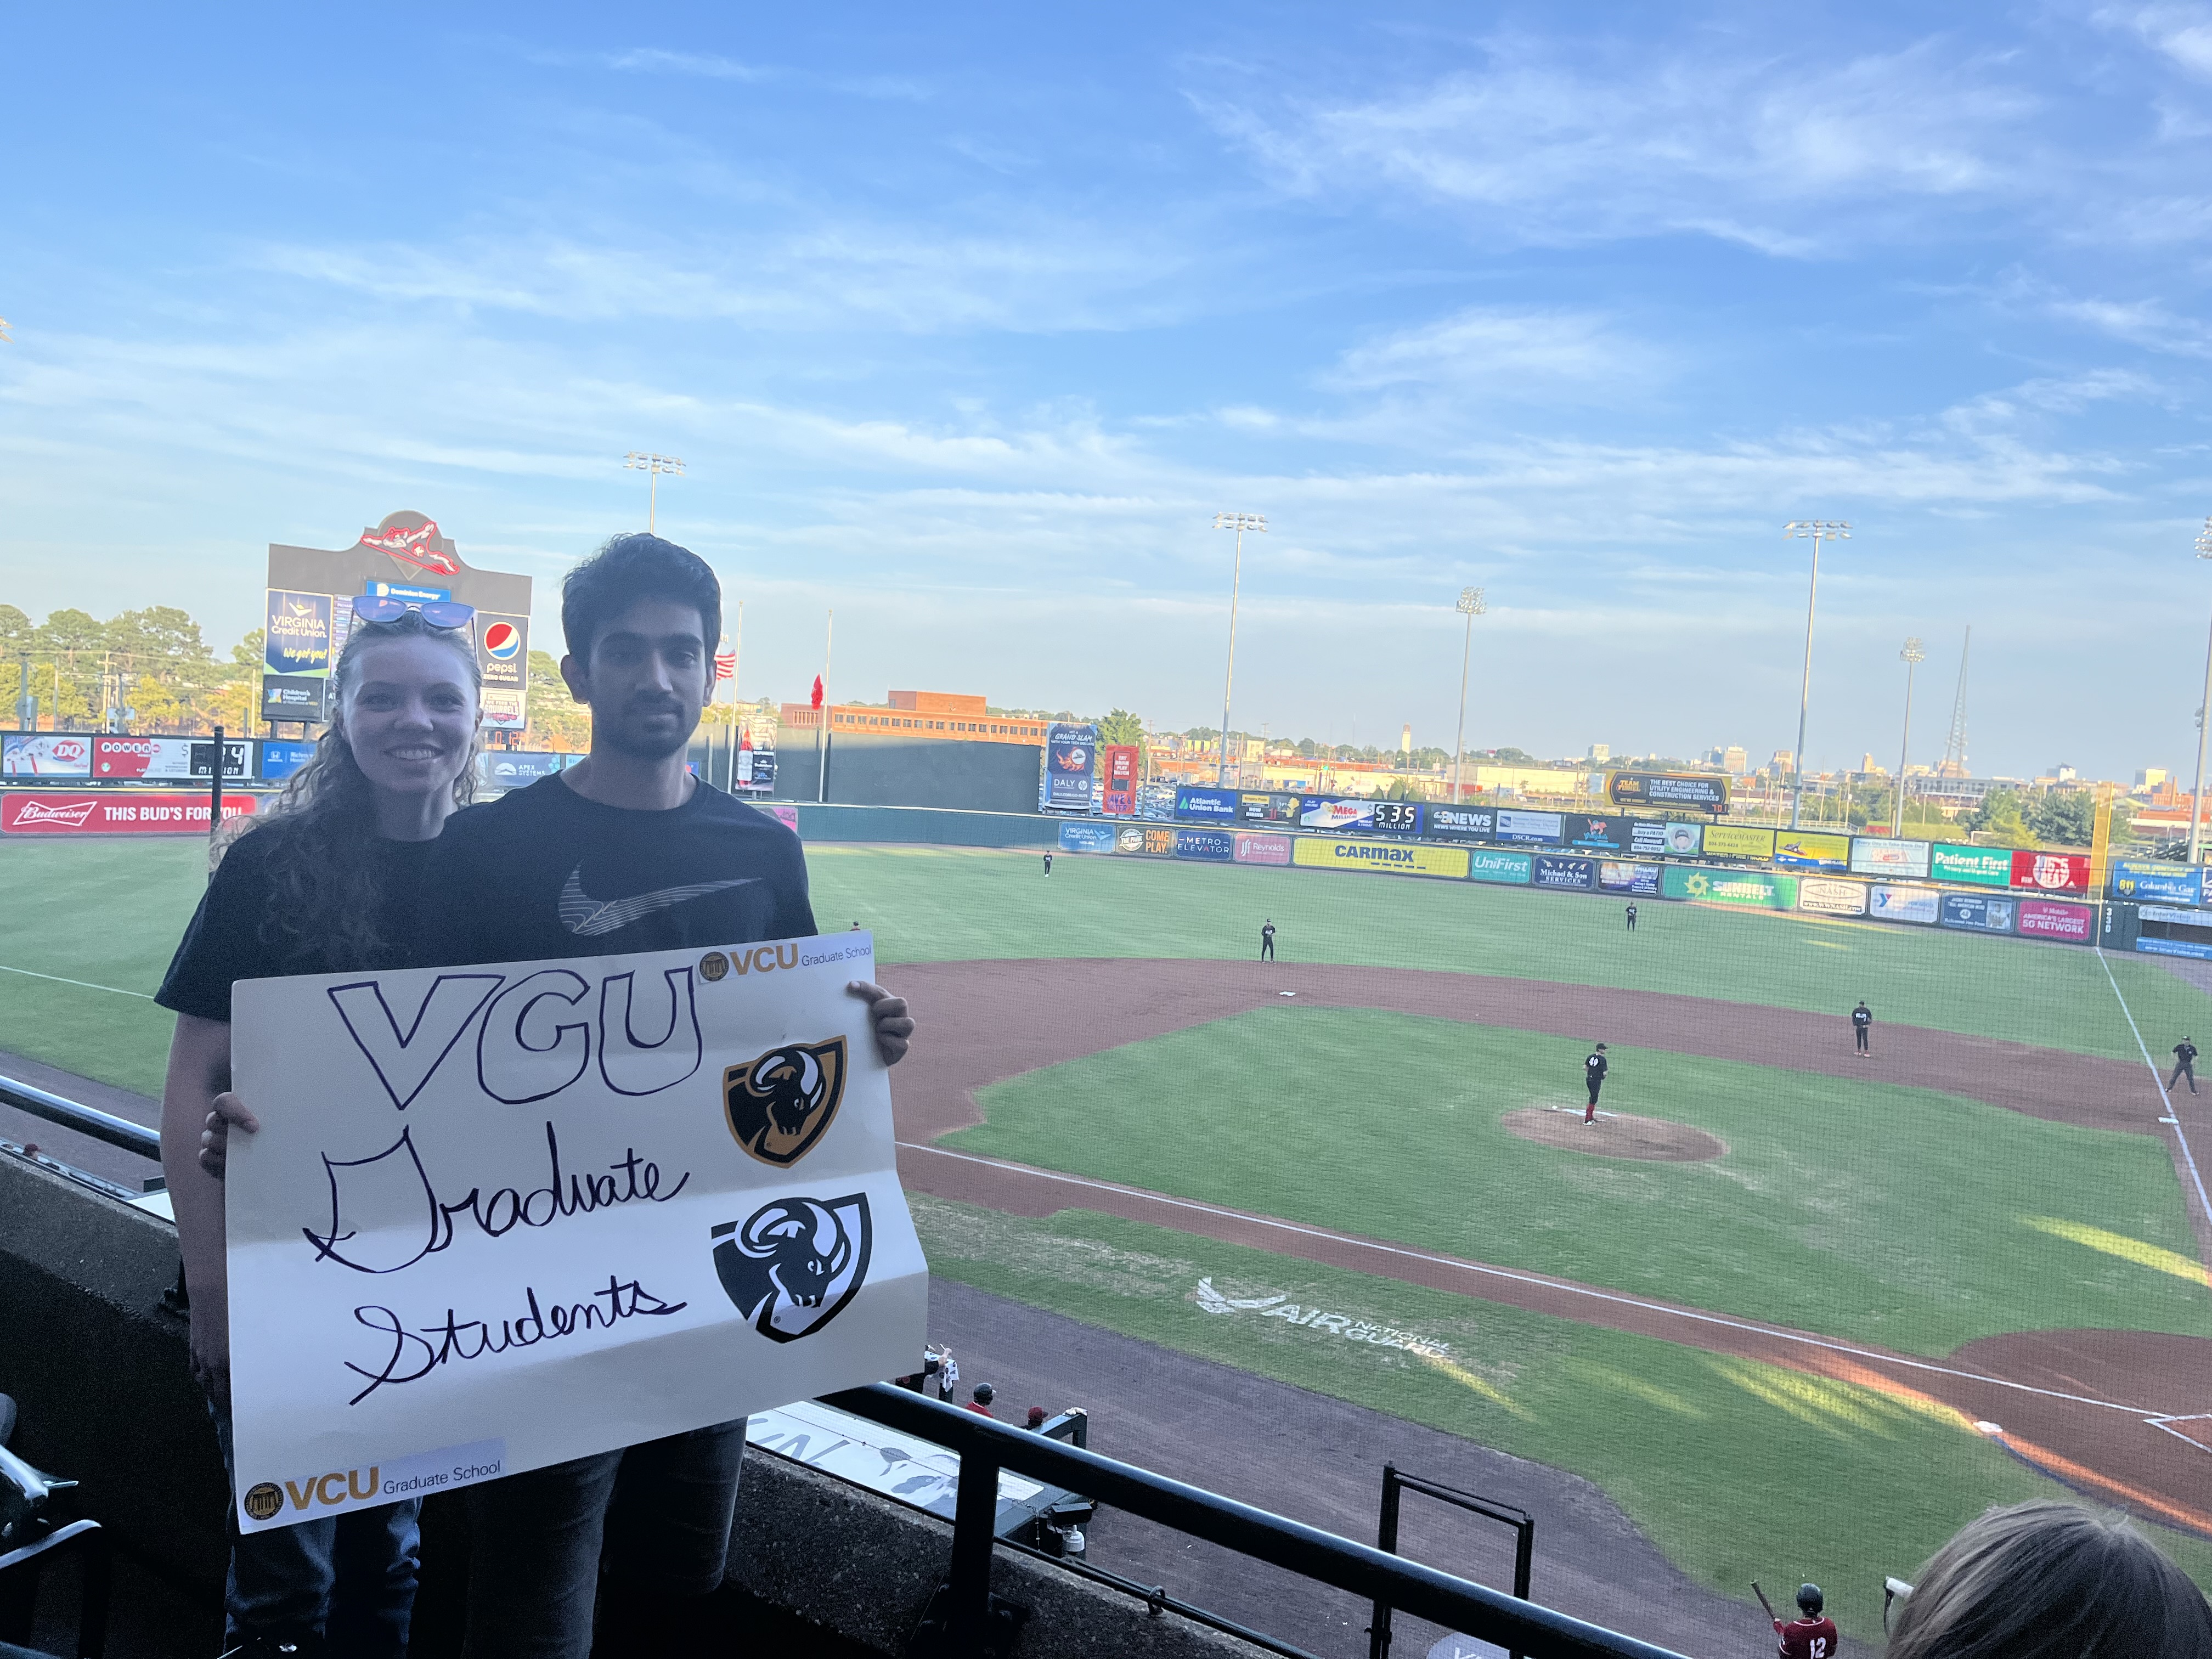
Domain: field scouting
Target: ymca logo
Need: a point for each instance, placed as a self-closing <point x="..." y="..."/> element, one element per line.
<point x="501" y="641"/>
<point x="779" y="1104"/>
<point x="793" y="1265"/>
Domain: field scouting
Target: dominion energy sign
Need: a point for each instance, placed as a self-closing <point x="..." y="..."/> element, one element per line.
<point x="311" y="595"/>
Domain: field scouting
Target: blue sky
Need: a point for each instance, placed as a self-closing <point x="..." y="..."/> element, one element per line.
<point x="967" y="321"/>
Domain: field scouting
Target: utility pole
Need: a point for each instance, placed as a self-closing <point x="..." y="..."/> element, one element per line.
<point x="1912" y="656"/>
<point x="1817" y="531"/>
<point x="653" y="466"/>
<point x="1239" y="522"/>
<point x="1470" y="605"/>
<point x="2196" y="795"/>
<point x="1955" y="747"/>
<point x="822" y="729"/>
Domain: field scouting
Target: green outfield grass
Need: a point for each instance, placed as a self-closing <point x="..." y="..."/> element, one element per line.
<point x="109" y="912"/>
<point x="937" y="904"/>
<point x="1889" y="1215"/>
<point x="1713" y="1458"/>
<point x="106" y="913"/>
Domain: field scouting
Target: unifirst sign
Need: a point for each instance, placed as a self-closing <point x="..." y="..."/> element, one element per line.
<point x="1388" y="858"/>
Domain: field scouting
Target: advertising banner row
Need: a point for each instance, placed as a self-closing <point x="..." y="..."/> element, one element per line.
<point x="1759" y="889"/>
<point x="1817" y="852"/>
<point x="98" y="758"/>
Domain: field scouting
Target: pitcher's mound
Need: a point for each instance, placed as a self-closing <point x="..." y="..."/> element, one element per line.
<point x="1652" y="1138"/>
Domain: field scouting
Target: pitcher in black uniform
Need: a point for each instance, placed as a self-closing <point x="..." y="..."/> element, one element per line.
<point x="1266" y="941"/>
<point x="1594" y="1071"/>
<point x="1862" y="1023"/>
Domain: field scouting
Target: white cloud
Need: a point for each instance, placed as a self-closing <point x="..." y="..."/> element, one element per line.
<point x="1523" y="353"/>
<point x="1750" y="149"/>
<point x="2181" y="34"/>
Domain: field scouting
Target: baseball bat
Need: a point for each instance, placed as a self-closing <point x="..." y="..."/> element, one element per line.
<point x="1763" y="1601"/>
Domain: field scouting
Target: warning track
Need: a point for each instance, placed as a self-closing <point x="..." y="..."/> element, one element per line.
<point x="2107" y="1412"/>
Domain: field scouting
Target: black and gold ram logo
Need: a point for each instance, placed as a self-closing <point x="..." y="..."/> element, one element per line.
<point x="778" y="1105"/>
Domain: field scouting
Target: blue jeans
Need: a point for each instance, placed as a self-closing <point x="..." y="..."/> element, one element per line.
<point x="348" y="1578"/>
<point x="656" y="1516"/>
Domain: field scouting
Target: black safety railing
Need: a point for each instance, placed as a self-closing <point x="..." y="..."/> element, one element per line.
<point x="974" y="1624"/>
<point x="85" y="1120"/>
<point x="1395" y="1484"/>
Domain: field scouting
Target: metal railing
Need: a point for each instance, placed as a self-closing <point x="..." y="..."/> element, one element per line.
<point x="985" y="1447"/>
<point x="85" y="1120"/>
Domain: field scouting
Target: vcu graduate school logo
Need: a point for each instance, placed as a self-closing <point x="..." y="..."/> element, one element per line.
<point x="779" y="1104"/>
<point x="792" y="1266"/>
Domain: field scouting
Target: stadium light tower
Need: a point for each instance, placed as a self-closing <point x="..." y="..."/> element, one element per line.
<point x="1470" y="605"/>
<point x="1912" y="656"/>
<point x="653" y="466"/>
<point x="1817" y="531"/>
<point x="1239" y="522"/>
<point x="2196" y="795"/>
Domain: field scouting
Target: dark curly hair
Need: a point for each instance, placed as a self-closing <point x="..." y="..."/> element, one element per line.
<point x="322" y="831"/>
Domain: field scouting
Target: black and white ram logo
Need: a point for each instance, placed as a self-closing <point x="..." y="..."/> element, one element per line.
<point x="792" y="1266"/>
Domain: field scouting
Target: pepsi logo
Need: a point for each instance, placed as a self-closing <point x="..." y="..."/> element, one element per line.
<point x="501" y="641"/>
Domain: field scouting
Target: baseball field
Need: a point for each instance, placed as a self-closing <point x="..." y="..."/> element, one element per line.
<point x="1798" y="1313"/>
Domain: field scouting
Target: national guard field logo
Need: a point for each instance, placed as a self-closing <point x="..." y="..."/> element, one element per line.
<point x="778" y="1105"/>
<point x="713" y="966"/>
<point x="264" y="1500"/>
<point x="793" y="1265"/>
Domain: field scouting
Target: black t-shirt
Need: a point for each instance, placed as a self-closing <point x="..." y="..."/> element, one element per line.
<point x="1594" y="1068"/>
<point x="2185" y="1052"/>
<point x="545" y="873"/>
<point x="233" y="936"/>
<point x="1861" y="1016"/>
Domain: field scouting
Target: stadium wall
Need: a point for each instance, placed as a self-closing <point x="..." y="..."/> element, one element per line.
<point x="868" y="770"/>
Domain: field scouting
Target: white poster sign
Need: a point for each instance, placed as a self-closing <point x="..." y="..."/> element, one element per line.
<point x="502" y="1217"/>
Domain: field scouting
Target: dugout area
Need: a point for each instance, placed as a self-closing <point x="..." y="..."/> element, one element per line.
<point x="1964" y="1270"/>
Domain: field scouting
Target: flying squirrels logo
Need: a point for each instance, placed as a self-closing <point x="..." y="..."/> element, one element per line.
<point x="778" y="1105"/>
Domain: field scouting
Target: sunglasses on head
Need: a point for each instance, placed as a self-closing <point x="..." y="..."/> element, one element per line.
<point x="439" y="613"/>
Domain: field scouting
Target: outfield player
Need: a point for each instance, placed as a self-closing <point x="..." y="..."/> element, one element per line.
<point x="1267" y="941"/>
<point x="1812" y="1634"/>
<point x="1862" y="1023"/>
<point x="1594" y="1071"/>
<point x="1632" y="916"/>
<point x="2185" y="1066"/>
<point x="1048" y="864"/>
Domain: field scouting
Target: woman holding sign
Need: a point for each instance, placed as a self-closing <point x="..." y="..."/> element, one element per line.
<point x="328" y="881"/>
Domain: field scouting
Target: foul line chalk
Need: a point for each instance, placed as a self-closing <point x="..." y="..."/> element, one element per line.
<point x="83" y="984"/>
<point x="2174" y="1116"/>
<point x="1538" y="1281"/>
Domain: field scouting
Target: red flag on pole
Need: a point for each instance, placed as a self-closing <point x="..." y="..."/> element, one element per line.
<point x="817" y="690"/>
<point x="725" y="665"/>
<point x="744" y="737"/>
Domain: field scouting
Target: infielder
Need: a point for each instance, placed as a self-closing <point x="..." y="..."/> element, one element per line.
<point x="1267" y="941"/>
<point x="1862" y="1023"/>
<point x="2185" y="1066"/>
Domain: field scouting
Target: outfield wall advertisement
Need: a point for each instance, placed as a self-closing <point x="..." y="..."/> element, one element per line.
<point x="1086" y="837"/>
<point x="1462" y="822"/>
<point x="2043" y="919"/>
<point x="1610" y="834"/>
<point x="1380" y="857"/>
<point x="164" y="757"/>
<point x="1211" y="846"/>
<point x="1572" y="875"/>
<point x="1976" y="867"/>
<point x="1255" y="848"/>
<point x="1796" y="849"/>
<point x="1485" y="864"/>
<point x="1729" y="840"/>
<point x="1543" y="827"/>
<point x="1872" y="856"/>
<point x="49" y="755"/>
<point x="1753" y="888"/>
<point x="1071" y="768"/>
<point x="1978" y="914"/>
<point x="1649" y="837"/>
<point x="1827" y="897"/>
<point x="136" y="813"/>
<point x="1631" y="880"/>
<point x="2051" y="873"/>
<point x="1702" y="792"/>
<point x="2161" y="883"/>
<point x="1205" y="805"/>
<point x="1888" y="902"/>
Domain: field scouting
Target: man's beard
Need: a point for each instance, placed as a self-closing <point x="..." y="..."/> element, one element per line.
<point x="626" y="739"/>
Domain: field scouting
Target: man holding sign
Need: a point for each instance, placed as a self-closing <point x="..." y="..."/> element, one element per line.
<point x="612" y="1207"/>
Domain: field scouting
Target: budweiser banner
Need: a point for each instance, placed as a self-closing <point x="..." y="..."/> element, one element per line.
<point x="117" y="812"/>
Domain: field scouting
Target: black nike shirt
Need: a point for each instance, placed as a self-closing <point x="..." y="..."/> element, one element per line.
<point x="542" y="872"/>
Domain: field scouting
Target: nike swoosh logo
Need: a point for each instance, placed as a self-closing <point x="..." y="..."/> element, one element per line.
<point x="587" y="917"/>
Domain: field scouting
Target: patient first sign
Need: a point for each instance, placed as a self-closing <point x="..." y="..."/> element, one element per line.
<point x="498" y="1218"/>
